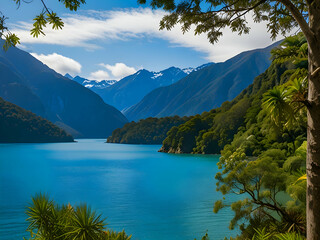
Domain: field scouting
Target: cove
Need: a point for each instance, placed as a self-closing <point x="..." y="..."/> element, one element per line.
<point x="152" y="195"/>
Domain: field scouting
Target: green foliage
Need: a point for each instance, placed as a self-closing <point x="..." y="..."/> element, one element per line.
<point x="242" y="121"/>
<point x="293" y="48"/>
<point x="39" y="22"/>
<point x="19" y="125"/>
<point x="212" y="17"/>
<point x="47" y="220"/>
<point x="10" y="38"/>
<point x="112" y="235"/>
<point x="266" y="157"/>
<point x="275" y="101"/>
<point x="290" y="236"/>
<point x="182" y="138"/>
<point x="146" y="131"/>
<point x="263" y="234"/>
<point x="262" y="134"/>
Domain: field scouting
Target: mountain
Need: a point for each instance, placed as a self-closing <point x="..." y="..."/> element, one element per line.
<point x="131" y="89"/>
<point x="92" y="84"/>
<point x="204" y="89"/>
<point x="30" y="84"/>
<point x="20" y="126"/>
<point x="191" y="69"/>
<point x="68" y="76"/>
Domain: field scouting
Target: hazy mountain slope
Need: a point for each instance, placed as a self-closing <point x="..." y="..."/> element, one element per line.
<point x="204" y="89"/>
<point x="63" y="100"/>
<point x="14" y="90"/>
<point x="18" y="125"/>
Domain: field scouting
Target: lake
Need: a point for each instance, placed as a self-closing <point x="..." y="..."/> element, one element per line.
<point x="152" y="195"/>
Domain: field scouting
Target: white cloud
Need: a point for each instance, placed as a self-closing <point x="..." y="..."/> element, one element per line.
<point x="114" y="72"/>
<point x="99" y="75"/>
<point x="119" y="70"/>
<point x="123" y="25"/>
<point x="59" y="63"/>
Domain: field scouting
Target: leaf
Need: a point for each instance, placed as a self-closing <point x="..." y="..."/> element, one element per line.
<point x="38" y="25"/>
<point x="11" y="39"/>
<point x="56" y="21"/>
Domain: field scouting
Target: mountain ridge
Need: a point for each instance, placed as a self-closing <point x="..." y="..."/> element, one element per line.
<point x="131" y="89"/>
<point x="204" y="89"/>
<point x="57" y="98"/>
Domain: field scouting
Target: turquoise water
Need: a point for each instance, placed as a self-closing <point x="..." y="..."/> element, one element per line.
<point x="153" y="196"/>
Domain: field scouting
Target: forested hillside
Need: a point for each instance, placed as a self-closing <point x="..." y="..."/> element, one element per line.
<point x="266" y="159"/>
<point x="20" y="126"/>
<point x="209" y="132"/>
<point x="146" y="131"/>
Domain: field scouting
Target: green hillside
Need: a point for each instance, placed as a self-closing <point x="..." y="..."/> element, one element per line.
<point x="209" y="132"/>
<point x="20" y="126"/>
<point x="146" y="131"/>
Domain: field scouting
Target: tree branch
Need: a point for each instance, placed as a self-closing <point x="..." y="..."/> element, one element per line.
<point x="315" y="72"/>
<point x="299" y="18"/>
<point x="45" y="6"/>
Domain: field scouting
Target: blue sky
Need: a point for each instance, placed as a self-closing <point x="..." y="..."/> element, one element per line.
<point x="110" y="39"/>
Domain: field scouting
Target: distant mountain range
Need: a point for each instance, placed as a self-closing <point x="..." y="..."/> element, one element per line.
<point x="91" y="84"/>
<point x="20" y="126"/>
<point x="204" y="89"/>
<point x="130" y="90"/>
<point x="30" y="84"/>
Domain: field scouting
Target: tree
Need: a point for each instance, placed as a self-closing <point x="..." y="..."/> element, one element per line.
<point x="47" y="16"/>
<point x="211" y="16"/>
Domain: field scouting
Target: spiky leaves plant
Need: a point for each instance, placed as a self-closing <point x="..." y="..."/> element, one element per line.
<point x="276" y="102"/>
<point x="85" y="224"/>
<point x="112" y="235"/>
<point x="293" y="48"/>
<point x="262" y="234"/>
<point x="290" y="236"/>
<point x="48" y="221"/>
<point x="42" y="218"/>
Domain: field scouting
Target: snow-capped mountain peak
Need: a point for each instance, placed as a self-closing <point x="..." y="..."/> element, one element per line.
<point x="157" y="74"/>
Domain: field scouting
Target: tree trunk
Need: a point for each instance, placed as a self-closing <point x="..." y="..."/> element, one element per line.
<point x="313" y="152"/>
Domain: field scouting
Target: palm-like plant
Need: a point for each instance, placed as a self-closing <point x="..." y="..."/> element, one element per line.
<point x="85" y="224"/>
<point x="298" y="91"/>
<point x="48" y="221"/>
<point x="42" y="218"/>
<point x="290" y="236"/>
<point x="112" y="235"/>
<point x="286" y="103"/>
<point x="263" y="234"/>
<point x="293" y="48"/>
<point x="277" y="104"/>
